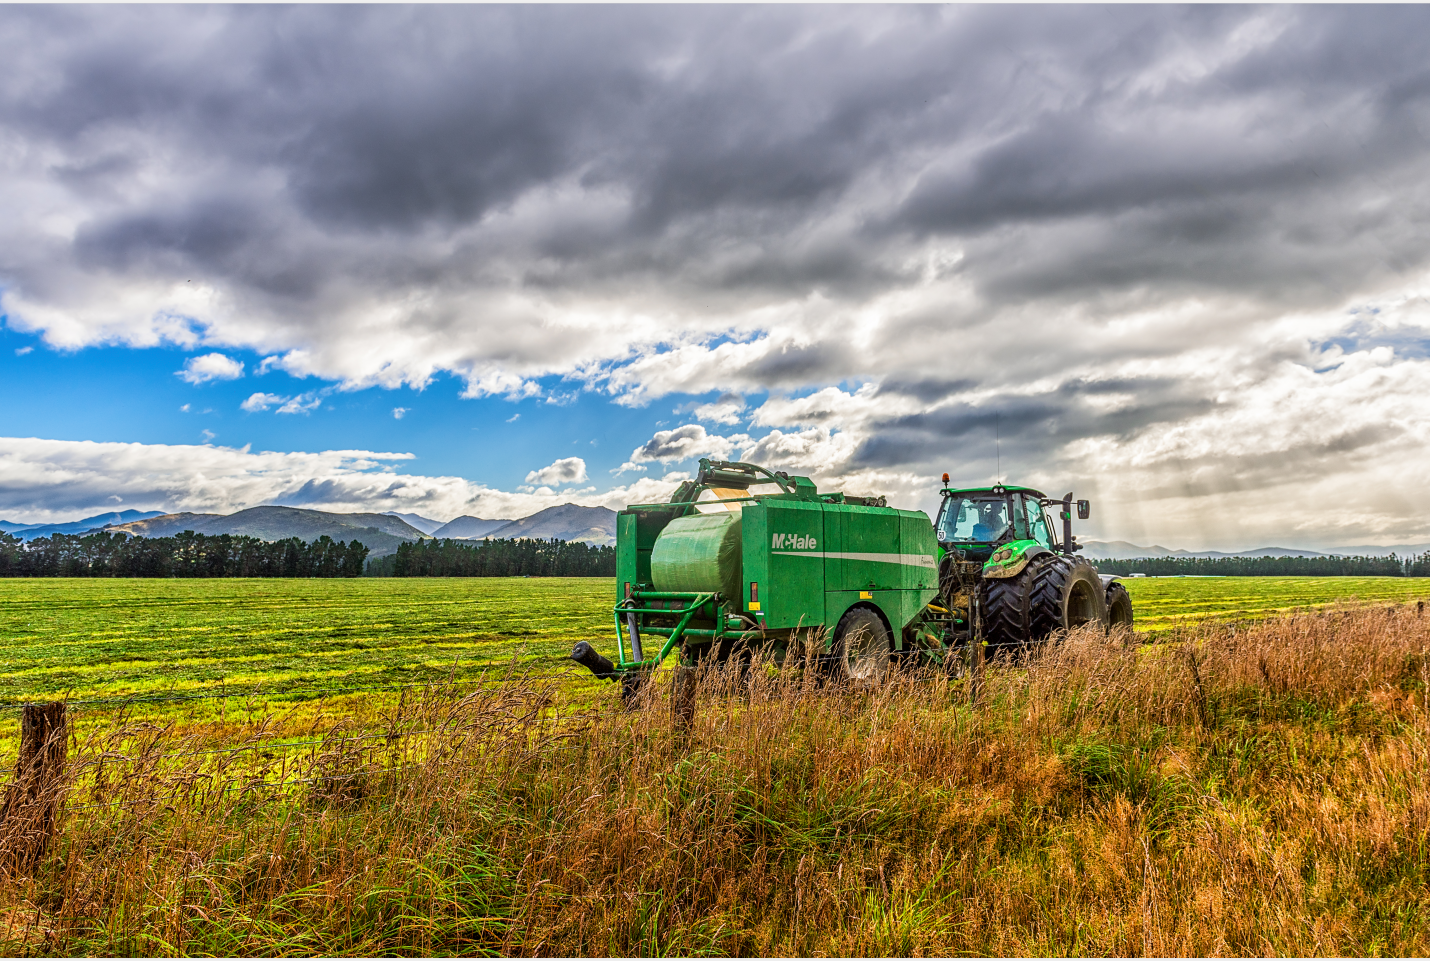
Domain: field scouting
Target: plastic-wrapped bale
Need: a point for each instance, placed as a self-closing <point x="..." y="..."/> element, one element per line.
<point x="699" y="552"/>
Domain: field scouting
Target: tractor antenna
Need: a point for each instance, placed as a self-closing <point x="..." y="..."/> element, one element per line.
<point x="998" y="442"/>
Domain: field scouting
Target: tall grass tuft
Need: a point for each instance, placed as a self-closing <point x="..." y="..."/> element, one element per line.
<point x="1240" y="789"/>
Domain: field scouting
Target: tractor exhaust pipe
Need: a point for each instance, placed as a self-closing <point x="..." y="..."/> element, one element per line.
<point x="1067" y="522"/>
<point x="585" y="655"/>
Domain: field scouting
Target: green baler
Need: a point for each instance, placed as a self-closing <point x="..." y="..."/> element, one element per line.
<point x="718" y="571"/>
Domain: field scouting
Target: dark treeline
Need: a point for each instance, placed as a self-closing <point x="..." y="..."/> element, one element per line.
<point x="184" y="555"/>
<point x="496" y="558"/>
<point x="1334" y="566"/>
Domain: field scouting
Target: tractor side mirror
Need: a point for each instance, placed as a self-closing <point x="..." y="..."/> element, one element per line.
<point x="1084" y="509"/>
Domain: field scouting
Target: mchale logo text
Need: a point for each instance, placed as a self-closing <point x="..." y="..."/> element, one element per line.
<point x="803" y="542"/>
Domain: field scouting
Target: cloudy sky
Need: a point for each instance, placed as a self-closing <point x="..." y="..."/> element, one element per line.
<point x="485" y="260"/>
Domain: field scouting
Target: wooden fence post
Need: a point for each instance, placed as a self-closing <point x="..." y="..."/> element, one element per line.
<point x="978" y="657"/>
<point x="682" y="699"/>
<point x="27" y="821"/>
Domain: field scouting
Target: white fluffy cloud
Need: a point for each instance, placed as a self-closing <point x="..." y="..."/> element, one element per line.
<point x="567" y="470"/>
<point x="207" y="367"/>
<point x="725" y="409"/>
<point x="301" y="404"/>
<point x="682" y="443"/>
<point x="259" y="401"/>
<point x="51" y="480"/>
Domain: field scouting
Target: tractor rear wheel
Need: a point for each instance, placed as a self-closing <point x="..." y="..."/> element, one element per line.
<point x="1119" y="607"/>
<point x="1067" y="593"/>
<point x="862" y="648"/>
<point x="1051" y="594"/>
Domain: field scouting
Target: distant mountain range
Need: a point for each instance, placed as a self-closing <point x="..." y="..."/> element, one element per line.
<point x="27" y="531"/>
<point x="467" y="526"/>
<point x="382" y="533"/>
<point x="568" y="522"/>
<point x="1116" y="550"/>
<point x="424" y="524"/>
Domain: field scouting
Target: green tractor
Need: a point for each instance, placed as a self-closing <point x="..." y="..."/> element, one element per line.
<point x="742" y="559"/>
<point x="1008" y="574"/>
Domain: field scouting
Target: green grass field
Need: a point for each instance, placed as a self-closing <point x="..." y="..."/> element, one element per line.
<point x="1164" y="602"/>
<point x="1225" y="792"/>
<point x="103" y="637"/>
<point x="109" y="637"/>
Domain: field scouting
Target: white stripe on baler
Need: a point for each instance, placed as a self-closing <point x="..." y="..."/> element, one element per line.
<point x="911" y="560"/>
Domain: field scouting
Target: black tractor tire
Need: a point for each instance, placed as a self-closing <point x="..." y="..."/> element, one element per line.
<point x="863" y="648"/>
<point x="1007" y="621"/>
<point x="1051" y="594"/>
<point x="1067" y="594"/>
<point x="1119" y="607"/>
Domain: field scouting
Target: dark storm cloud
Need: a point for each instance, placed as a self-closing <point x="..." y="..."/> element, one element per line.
<point x="1203" y="477"/>
<point x="755" y="124"/>
<point x="927" y="388"/>
<point x="1029" y="427"/>
<point x="312" y="492"/>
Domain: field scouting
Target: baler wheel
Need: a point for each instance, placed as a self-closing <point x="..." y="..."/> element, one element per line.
<point x="862" y="648"/>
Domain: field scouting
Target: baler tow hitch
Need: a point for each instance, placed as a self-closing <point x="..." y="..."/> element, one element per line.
<point x="628" y="614"/>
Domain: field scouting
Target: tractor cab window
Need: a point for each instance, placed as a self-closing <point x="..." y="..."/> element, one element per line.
<point x="1037" y="522"/>
<point x="975" y="519"/>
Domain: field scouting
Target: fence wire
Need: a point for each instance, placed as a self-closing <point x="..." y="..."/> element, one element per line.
<point x="317" y="693"/>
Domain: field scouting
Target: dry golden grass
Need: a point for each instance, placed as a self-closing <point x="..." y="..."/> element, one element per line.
<point x="1241" y="790"/>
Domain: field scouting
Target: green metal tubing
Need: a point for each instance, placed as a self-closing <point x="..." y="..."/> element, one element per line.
<point x="620" y="642"/>
<point x="668" y="595"/>
<point x="675" y="635"/>
<point x="700" y="601"/>
<point x="678" y="612"/>
<point x="689" y="632"/>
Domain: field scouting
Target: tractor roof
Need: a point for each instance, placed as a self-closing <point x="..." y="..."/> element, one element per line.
<point x="995" y="489"/>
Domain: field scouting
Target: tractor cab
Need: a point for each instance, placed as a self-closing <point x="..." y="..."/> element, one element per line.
<point x="975" y="522"/>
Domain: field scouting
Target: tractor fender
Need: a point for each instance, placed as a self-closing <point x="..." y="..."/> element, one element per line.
<point x="1010" y="559"/>
<point x="1108" y="580"/>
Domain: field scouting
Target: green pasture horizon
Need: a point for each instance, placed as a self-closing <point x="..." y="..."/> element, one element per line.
<point x="103" y="637"/>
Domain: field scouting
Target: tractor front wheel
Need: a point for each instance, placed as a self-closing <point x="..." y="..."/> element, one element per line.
<point x="1119" y="607"/>
<point x="862" y="648"/>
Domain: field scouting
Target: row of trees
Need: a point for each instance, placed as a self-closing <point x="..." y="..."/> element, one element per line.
<point x="1334" y="566"/>
<point x="183" y="555"/>
<point x="227" y="555"/>
<point x="496" y="558"/>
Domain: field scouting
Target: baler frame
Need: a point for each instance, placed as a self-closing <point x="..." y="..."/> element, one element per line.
<point x="673" y="635"/>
